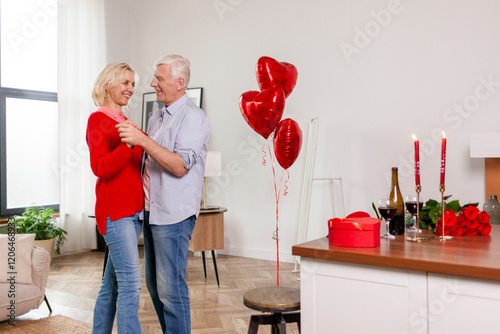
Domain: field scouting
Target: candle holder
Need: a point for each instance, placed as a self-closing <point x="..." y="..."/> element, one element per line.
<point x="418" y="238"/>
<point x="443" y="237"/>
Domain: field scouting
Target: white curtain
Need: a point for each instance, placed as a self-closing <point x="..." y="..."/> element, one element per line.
<point x="81" y="56"/>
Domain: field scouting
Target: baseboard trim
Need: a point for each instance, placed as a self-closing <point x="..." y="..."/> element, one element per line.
<point x="257" y="254"/>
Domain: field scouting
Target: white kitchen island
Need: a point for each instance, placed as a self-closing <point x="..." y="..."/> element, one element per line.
<point x="401" y="287"/>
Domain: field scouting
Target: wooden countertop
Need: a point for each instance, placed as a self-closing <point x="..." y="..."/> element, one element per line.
<point x="477" y="257"/>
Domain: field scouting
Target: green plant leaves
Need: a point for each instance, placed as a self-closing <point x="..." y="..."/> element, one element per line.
<point x="431" y="211"/>
<point x="41" y="222"/>
<point x="454" y="206"/>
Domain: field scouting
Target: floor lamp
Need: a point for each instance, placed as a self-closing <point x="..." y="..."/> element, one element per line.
<point x="212" y="168"/>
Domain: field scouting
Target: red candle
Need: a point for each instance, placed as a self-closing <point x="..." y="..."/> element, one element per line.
<point x="443" y="157"/>
<point x="417" y="160"/>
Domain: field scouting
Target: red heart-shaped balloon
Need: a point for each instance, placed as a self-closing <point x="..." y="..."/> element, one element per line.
<point x="287" y="142"/>
<point x="263" y="110"/>
<point x="271" y="73"/>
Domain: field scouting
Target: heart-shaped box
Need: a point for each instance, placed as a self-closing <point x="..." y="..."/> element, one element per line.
<point x="356" y="230"/>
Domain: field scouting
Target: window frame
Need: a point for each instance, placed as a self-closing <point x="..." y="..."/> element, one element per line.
<point x="19" y="94"/>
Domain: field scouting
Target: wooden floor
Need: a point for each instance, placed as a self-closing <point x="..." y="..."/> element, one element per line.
<point x="74" y="282"/>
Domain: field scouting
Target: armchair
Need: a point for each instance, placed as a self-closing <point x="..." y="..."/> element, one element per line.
<point x="32" y="270"/>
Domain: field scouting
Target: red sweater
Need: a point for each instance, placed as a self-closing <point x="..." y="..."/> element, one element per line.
<point x="119" y="190"/>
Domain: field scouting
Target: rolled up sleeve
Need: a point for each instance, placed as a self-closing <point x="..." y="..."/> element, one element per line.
<point x="191" y="139"/>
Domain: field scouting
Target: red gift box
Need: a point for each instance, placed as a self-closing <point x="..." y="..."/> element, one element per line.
<point x="356" y="230"/>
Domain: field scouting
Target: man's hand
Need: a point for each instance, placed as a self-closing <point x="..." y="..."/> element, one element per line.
<point x="130" y="133"/>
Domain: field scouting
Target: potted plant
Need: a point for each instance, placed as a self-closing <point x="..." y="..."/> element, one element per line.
<point x="41" y="222"/>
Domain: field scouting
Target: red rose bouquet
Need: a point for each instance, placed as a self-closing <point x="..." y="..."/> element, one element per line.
<point x="470" y="221"/>
<point x="459" y="220"/>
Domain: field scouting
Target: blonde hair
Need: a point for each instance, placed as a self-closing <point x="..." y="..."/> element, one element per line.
<point x="110" y="76"/>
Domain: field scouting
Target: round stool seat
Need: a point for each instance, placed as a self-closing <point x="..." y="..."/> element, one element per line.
<point x="273" y="299"/>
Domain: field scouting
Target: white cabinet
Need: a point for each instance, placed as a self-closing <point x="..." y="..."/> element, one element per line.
<point x="463" y="305"/>
<point x="342" y="297"/>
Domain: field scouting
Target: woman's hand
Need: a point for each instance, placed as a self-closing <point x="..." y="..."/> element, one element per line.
<point x="130" y="133"/>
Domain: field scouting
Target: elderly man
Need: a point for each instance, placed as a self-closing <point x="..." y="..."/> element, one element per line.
<point x="174" y="164"/>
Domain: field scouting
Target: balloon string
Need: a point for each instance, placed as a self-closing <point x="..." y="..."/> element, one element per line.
<point x="263" y="149"/>
<point x="277" y="196"/>
<point x="285" y="187"/>
<point x="276" y="190"/>
<point x="277" y="259"/>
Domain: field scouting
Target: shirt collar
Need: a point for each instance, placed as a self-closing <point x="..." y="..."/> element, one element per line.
<point x="113" y="114"/>
<point x="176" y="105"/>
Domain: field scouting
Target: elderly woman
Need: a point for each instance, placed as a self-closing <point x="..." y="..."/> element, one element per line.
<point x="119" y="199"/>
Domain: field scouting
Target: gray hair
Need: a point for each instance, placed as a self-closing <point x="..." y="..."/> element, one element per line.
<point x="180" y="67"/>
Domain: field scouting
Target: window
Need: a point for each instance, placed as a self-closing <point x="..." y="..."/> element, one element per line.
<point x="29" y="144"/>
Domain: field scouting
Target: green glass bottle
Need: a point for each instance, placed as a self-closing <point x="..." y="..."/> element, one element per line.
<point x="397" y="224"/>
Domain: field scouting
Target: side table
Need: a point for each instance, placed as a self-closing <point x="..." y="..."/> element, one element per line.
<point x="208" y="235"/>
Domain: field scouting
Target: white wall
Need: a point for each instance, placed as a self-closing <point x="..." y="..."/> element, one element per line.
<point x="425" y="60"/>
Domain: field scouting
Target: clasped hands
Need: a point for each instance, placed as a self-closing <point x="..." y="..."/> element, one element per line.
<point x="130" y="133"/>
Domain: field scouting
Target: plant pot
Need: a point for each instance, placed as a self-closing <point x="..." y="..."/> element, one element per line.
<point x="48" y="245"/>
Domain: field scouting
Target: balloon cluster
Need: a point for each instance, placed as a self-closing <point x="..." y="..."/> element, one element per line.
<point x="263" y="110"/>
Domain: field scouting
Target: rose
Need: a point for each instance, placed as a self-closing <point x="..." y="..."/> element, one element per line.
<point x="466" y="223"/>
<point x="463" y="221"/>
<point x="457" y="230"/>
<point x="439" y="229"/>
<point x="483" y="218"/>
<point x="471" y="232"/>
<point x="473" y="224"/>
<point x="449" y="217"/>
<point x="470" y="222"/>
<point x="471" y="212"/>
<point x="484" y="229"/>
<point x="458" y="220"/>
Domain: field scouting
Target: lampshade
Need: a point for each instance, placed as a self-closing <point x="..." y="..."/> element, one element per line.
<point x="212" y="168"/>
<point x="213" y="164"/>
<point x="485" y="145"/>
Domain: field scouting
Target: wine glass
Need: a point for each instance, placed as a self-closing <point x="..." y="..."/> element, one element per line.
<point x="411" y="206"/>
<point x="387" y="208"/>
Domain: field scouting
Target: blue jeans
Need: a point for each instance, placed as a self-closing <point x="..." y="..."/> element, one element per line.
<point x="166" y="254"/>
<point x="121" y="284"/>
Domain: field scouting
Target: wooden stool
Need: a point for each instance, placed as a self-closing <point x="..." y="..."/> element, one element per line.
<point x="274" y="300"/>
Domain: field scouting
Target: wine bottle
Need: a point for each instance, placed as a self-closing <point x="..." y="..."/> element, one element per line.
<point x="397" y="224"/>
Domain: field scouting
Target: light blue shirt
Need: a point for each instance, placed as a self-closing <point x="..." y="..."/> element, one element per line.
<point x="184" y="130"/>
